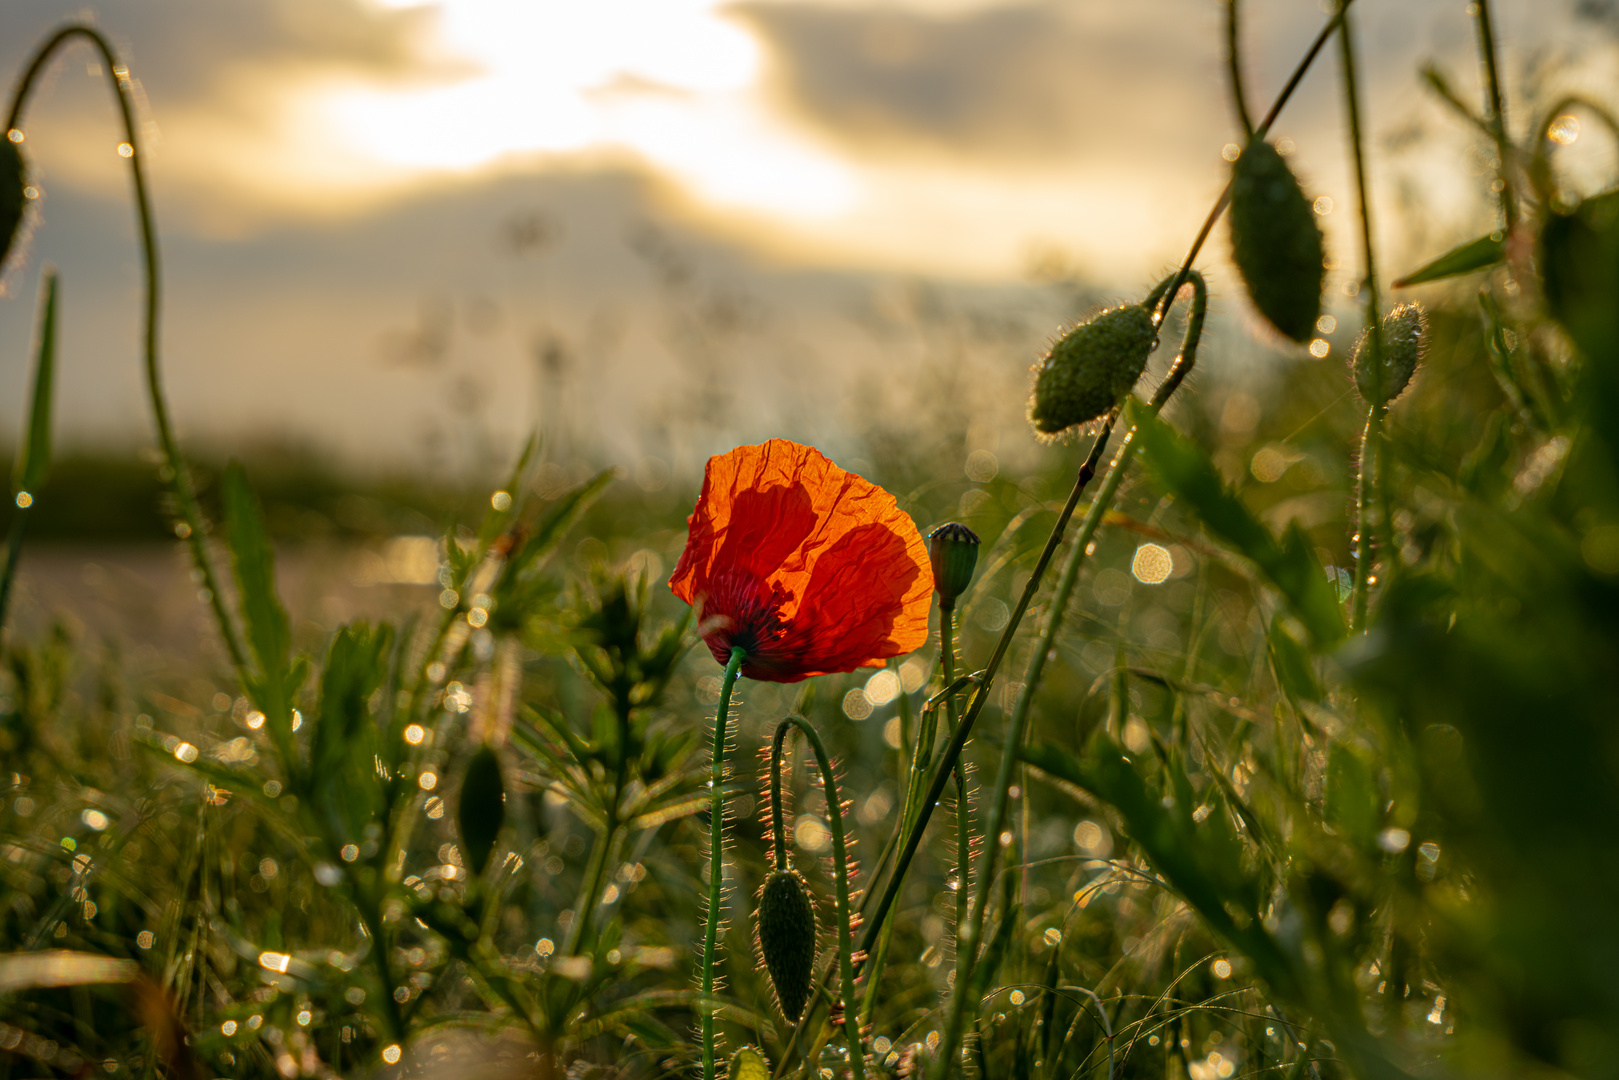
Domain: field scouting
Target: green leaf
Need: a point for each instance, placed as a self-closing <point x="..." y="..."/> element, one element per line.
<point x="1186" y="472"/>
<point x="1291" y="663"/>
<point x="268" y="631"/>
<point x="1476" y="254"/>
<point x="36" y="448"/>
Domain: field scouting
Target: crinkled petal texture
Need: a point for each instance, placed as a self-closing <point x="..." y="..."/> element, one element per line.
<point x="808" y="568"/>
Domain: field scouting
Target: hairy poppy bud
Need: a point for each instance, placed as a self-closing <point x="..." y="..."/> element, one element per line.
<point x="749" y="1064"/>
<point x="483" y="809"/>
<point x="953" y="551"/>
<point x="1275" y="241"/>
<point x="1404" y="334"/>
<point x="13" y="183"/>
<point x="1091" y="368"/>
<point x="786" y="925"/>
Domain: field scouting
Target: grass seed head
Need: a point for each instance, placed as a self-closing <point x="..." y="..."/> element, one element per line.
<point x="1091" y="368"/>
<point x="1275" y="241"/>
<point x="1405" y="331"/>
<point x="786" y="926"/>
<point x="13" y="184"/>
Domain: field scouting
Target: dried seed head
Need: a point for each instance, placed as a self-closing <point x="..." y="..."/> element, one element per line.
<point x="749" y="1063"/>
<point x="1275" y="241"/>
<point x="13" y="184"/>
<point x="953" y="551"/>
<point x="1405" y="331"/>
<point x="786" y="927"/>
<point x="1091" y="368"/>
<point x="483" y="809"/>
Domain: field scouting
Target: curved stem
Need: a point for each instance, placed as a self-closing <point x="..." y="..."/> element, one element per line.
<point x="1087" y="471"/>
<point x="970" y="935"/>
<point x="1371" y="450"/>
<point x="1234" y="70"/>
<point x="840" y="857"/>
<point x="192" y="527"/>
<point x="716" y="858"/>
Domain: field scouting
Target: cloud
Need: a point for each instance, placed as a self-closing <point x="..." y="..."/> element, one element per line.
<point x="1029" y="83"/>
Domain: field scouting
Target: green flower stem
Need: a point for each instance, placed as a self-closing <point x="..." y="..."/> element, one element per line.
<point x="970" y="935"/>
<point x="1371" y="453"/>
<point x="179" y="479"/>
<point x="896" y="878"/>
<point x="840" y="858"/>
<point x="716" y="858"/>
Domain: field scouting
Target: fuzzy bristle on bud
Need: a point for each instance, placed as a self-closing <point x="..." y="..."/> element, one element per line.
<point x="749" y="1063"/>
<point x="483" y="809"/>
<point x="1275" y="241"/>
<point x="13" y="197"/>
<point x="1404" y="333"/>
<point x="1091" y="368"/>
<point x="786" y="927"/>
<point x="953" y="551"/>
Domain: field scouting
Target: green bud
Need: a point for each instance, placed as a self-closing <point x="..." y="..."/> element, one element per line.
<point x="13" y="182"/>
<point x="1404" y="335"/>
<point x="953" y="551"/>
<point x="786" y="927"/>
<point x="1275" y="241"/>
<point x="749" y="1063"/>
<point x="1090" y="368"/>
<point x="483" y="809"/>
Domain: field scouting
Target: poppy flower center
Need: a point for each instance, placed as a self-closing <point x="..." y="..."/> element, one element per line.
<point x="746" y="612"/>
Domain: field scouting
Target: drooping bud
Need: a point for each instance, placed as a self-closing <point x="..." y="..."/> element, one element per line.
<point x="1091" y="368"/>
<point x="749" y="1063"/>
<point x="483" y="809"/>
<point x="13" y="185"/>
<point x="1275" y="241"/>
<point x="1404" y="333"/>
<point x="953" y="551"/>
<point x="786" y="927"/>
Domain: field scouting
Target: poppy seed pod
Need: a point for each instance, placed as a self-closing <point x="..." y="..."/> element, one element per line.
<point x="786" y="926"/>
<point x="483" y="809"/>
<point x="748" y="1063"/>
<point x="1404" y="332"/>
<point x="1091" y="368"/>
<point x="13" y="187"/>
<point x="1275" y="241"/>
<point x="953" y="551"/>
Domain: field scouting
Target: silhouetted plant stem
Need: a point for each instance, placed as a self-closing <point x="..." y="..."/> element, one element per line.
<point x="1367" y="508"/>
<point x="972" y="933"/>
<point x="192" y="527"/>
<point x="1496" y="117"/>
<point x="1233" y="55"/>
<point x="840" y="859"/>
<point x="716" y="858"/>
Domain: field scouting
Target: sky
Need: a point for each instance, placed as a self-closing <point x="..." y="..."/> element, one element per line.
<point x="402" y="233"/>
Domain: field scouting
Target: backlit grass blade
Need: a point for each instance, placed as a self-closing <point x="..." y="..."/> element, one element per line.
<point x="35" y="454"/>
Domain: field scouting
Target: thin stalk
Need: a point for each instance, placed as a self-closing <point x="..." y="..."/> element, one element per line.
<point x="192" y="527"/>
<point x="716" y="857"/>
<point x="1233" y="54"/>
<point x="952" y="751"/>
<point x="947" y="620"/>
<point x="1496" y="117"/>
<point x="840" y="858"/>
<point x="1371" y="452"/>
<point x="970" y="935"/>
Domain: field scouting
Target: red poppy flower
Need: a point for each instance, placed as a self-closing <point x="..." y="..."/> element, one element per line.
<point x="808" y="568"/>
